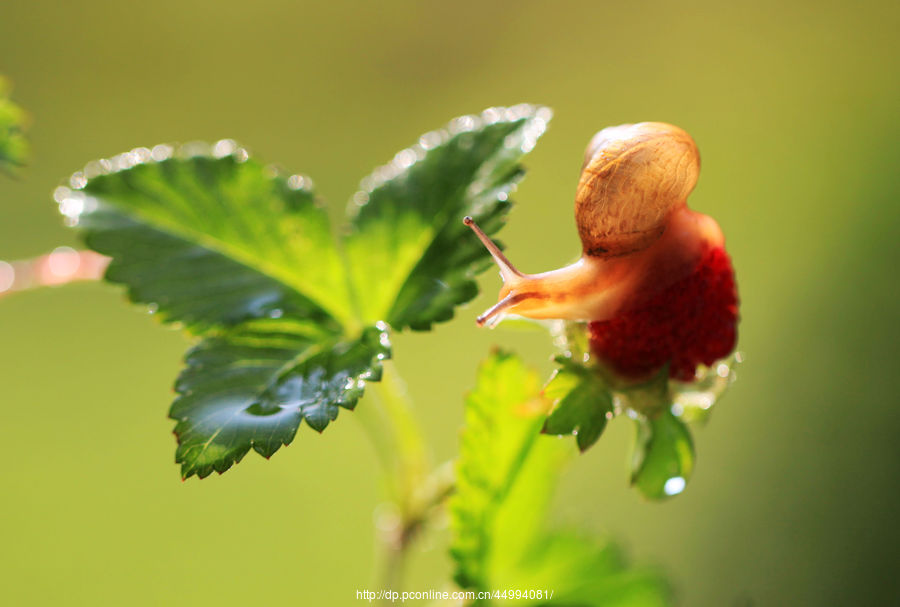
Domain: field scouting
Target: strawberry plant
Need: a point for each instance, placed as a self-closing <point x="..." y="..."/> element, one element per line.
<point x="292" y="321"/>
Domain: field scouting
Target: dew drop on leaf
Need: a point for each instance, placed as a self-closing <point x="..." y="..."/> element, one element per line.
<point x="674" y="485"/>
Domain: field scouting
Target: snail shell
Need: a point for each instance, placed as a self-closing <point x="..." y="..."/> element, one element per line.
<point x="633" y="177"/>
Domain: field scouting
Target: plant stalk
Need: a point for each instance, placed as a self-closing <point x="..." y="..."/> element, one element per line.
<point x="414" y="492"/>
<point x="62" y="266"/>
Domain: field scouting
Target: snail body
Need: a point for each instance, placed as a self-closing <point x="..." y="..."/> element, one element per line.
<point x="638" y="236"/>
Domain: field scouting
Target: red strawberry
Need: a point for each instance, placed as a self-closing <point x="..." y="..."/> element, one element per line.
<point x="692" y="321"/>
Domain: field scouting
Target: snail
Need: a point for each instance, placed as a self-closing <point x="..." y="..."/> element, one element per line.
<point x="653" y="281"/>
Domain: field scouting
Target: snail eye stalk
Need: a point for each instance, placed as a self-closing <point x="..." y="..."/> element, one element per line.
<point x="507" y="271"/>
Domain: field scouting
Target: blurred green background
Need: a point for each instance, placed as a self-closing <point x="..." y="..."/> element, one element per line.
<point x="795" y="108"/>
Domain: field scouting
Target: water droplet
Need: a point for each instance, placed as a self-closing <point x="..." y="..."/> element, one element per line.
<point x="520" y="110"/>
<point x="674" y="485"/>
<point x="502" y="196"/>
<point x="513" y="141"/>
<point x="299" y="182"/>
<point x="94" y="169"/>
<point x="122" y="162"/>
<point x="72" y="205"/>
<point x="367" y="184"/>
<point x="463" y="124"/>
<point x="193" y="149"/>
<point x="430" y="140"/>
<point x="493" y="115"/>
<point x="701" y="399"/>
<point x="405" y="158"/>
<point x="360" y="199"/>
<point x="544" y="114"/>
<point x="78" y="180"/>
<point x="574" y="432"/>
<point x="152" y="308"/>
<point x="61" y="193"/>
<point x="276" y="313"/>
<point x="223" y="148"/>
<point x="722" y="370"/>
<point x="7" y="276"/>
<point x="63" y="262"/>
<point x="161" y="152"/>
<point x="142" y="155"/>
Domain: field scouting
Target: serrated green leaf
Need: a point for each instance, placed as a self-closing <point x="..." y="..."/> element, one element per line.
<point x="13" y="145"/>
<point x="244" y="258"/>
<point x="581" y="403"/>
<point x="251" y="387"/>
<point x="663" y="457"/>
<point x="580" y="570"/>
<point x="410" y="257"/>
<point x="503" y="417"/>
<point x="210" y="241"/>
<point x="506" y="475"/>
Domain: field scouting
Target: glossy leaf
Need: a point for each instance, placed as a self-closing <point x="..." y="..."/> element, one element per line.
<point x="410" y="257"/>
<point x="251" y="387"/>
<point x="245" y="259"/>
<point x="210" y="241"/>
<point x="580" y="570"/>
<point x="506" y="475"/>
<point x="582" y="403"/>
<point x="13" y="145"/>
<point x="503" y="417"/>
<point x="663" y="458"/>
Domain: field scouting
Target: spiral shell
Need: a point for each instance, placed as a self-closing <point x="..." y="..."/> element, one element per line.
<point x="633" y="177"/>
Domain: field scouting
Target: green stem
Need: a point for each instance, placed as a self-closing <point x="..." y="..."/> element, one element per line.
<point x="62" y="266"/>
<point x="411" y="457"/>
<point x="371" y="416"/>
<point x="400" y="446"/>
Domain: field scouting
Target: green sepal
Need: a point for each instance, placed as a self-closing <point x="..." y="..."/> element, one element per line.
<point x="663" y="456"/>
<point x="582" y="403"/>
